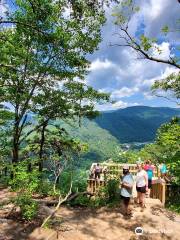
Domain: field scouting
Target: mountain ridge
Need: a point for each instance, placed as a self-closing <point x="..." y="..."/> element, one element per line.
<point x="136" y="123"/>
<point x="107" y="133"/>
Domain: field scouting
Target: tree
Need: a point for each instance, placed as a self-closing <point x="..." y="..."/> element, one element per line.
<point x="145" y="46"/>
<point x="6" y="118"/>
<point x="166" y="148"/>
<point x="74" y="100"/>
<point x="168" y="138"/>
<point x="44" y="49"/>
<point x="170" y="85"/>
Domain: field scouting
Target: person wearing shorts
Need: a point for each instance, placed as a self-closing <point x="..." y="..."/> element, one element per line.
<point x="141" y="184"/>
<point x="126" y="189"/>
<point x="149" y="168"/>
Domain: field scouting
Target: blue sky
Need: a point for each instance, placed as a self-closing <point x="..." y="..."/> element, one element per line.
<point x="117" y="70"/>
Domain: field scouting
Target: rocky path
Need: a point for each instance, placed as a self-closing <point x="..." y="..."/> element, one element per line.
<point x="103" y="224"/>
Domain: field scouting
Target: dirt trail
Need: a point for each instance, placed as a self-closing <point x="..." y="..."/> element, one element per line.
<point x="101" y="224"/>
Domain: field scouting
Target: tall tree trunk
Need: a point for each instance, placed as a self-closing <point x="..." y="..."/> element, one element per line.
<point x="15" y="155"/>
<point x="41" y="151"/>
<point x="15" y="150"/>
<point x="15" y="147"/>
<point x="29" y="168"/>
<point x="15" y="143"/>
<point x="5" y="171"/>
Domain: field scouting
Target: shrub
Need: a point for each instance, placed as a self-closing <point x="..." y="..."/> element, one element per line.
<point x="112" y="189"/>
<point x="45" y="188"/>
<point x="173" y="198"/>
<point x="24" y="180"/>
<point x="79" y="181"/>
<point x="81" y="201"/>
<point x="28" y="206"/>
<point x="98" y="202"/>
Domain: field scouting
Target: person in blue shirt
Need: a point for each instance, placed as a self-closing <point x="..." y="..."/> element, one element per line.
<point x="163" y="169"/>
<point x="126" y="188"/>
<point x="163" y="172"/>
<point x="149" y="168"/>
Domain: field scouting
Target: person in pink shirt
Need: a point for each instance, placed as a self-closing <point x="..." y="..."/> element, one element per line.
<point x="149" y="168"/>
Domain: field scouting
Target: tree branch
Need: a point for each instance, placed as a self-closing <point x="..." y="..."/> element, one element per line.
<point x="169" y="99"/>
<point x="130" y="42"/>
<point x="11" y="67"/>
<point x="60" y="201"/>
<point x="31" y="131"/>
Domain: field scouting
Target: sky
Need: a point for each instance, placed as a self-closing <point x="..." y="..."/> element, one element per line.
<point x="117" y="70"/>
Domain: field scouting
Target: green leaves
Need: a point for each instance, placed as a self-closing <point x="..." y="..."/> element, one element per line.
<point x="5" y="116"/>
<point x="147" y="43"/>
<point x="165" y="29"/>
<point x="28" y="206"/>
<point x="166" y="148"/>
<point x="170" y="85"/>
<point x="44" y="61"/>
<point x="23" y="179"/>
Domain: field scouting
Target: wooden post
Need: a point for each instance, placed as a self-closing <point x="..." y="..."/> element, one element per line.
<point x="163" y="193"/>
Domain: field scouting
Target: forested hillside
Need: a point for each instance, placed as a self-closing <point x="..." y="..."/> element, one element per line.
<point x="135" y="124"/>
<point x="101" y="144"/>
<point x="62" y="64"/>
<point x="106" y="134"/>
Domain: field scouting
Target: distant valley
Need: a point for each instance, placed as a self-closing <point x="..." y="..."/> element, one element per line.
<point x="131" y="127"/>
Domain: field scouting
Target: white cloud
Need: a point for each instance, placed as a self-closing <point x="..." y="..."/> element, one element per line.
<point x="153" y="8"/>
<point x="145" y="85"/>
<point x="3" y="8"/>
<point x="99" y="64"/>
<point x="112" y="106"/>
<point x="168" y="71"/>
<point x="119" y="71"/>
<point x="117" y="105"/>
<point x="148" y="95"/>
<point x="162" y="50"/>
<point x="124" y="92"/>
<point x="157" y="13"/>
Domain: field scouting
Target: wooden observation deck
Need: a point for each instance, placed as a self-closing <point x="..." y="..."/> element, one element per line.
<point x="115" y="170"/>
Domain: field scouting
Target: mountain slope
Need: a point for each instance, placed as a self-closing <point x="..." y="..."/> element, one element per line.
<point x="135" y="124"/>
<point x="101" y="144"/>
<point x="105" y="134"/>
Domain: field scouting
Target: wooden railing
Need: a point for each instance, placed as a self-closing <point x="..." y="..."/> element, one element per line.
<point x="158" y="190"/>
<point x="94" y="185"/>
<point x="116" y="169"/>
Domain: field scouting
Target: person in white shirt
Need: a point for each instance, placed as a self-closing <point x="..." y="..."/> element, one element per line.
<point x="141" y="184"/>
<point x="126" y="189"/>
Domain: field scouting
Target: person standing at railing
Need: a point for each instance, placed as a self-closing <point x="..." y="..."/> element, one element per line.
<point x="126" y="188"/>
<point x="163" y="172"/>
<point x="141" y="184"/>
<point x="98" y="171"/>
<point x="92" y="171"/>
<point x="149" y="168"/>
